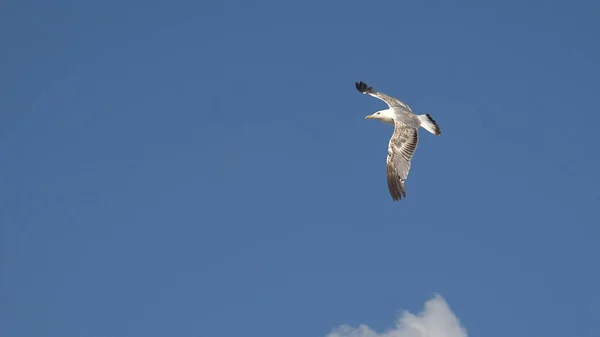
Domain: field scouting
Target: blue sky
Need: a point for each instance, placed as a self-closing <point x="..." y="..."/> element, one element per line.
<point x="204" y="168"/>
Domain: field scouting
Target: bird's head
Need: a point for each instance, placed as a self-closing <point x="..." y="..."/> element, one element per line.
<point x="386" y="116"/>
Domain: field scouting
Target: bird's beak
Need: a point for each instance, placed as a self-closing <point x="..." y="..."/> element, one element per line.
<point x="369" y="117"/>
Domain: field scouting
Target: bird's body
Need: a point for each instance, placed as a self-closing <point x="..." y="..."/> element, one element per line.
<point x="404" y="140"/>
<point x="398" y="113"/>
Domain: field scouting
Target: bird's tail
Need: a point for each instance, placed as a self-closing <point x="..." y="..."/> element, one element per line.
<point x="429" y="124"/>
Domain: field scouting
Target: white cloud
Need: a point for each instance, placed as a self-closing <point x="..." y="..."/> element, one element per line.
<point x="437" y="320"/>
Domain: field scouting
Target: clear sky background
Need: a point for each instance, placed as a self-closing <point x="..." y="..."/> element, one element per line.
<point x="204" y="168"/>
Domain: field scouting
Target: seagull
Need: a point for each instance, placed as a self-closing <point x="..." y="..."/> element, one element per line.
<point x="404" y="140"/>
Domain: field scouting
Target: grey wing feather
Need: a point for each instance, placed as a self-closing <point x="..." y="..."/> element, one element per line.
<point x="401" y="148"/>
<point x="389" y="100"/>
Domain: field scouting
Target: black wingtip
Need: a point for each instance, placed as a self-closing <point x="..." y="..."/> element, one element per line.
<point x="362" y="87"/>
<point x="395" y="186"/>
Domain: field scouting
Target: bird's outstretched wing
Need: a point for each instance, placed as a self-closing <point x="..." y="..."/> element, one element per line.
<point x="390" y="101"/>
<point x="401" y="148"/>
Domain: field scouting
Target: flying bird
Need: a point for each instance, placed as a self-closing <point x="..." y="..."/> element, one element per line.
<point x="404" y="140"/>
